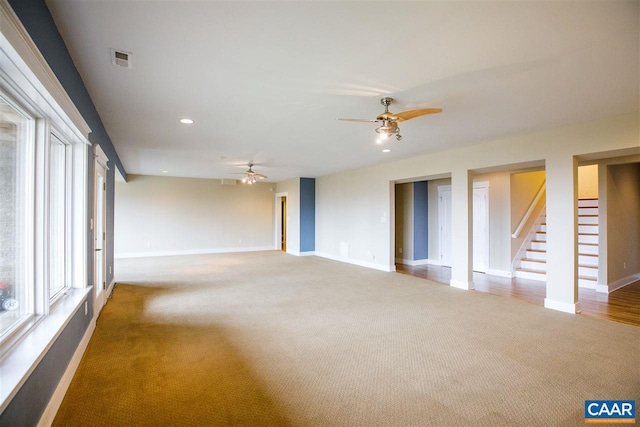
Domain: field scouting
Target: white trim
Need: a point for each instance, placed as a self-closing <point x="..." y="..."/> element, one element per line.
<point x="467" y="286"/>
<point x="23" y="53"/>
<point x="193" y="252"/>
<point x="51" y="410"/>
<point x="562" y="306"/>
<point x="277" y="217"/>
<point x="413" y="262"/>
<point x="307" y="253"/>
<point x="388" y="269"/>
<point x="499" y="273"/>
<point x="607" y="289"/>
<point x="110" y="288"/>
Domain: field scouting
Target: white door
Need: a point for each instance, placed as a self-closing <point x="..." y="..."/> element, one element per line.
<point x="444" y="223"/>
<point x="480" y="228"/>
<point x="99" y="229"/>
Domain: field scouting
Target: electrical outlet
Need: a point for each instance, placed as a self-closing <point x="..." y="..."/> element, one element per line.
<point x="400" y="250"/>
<point x="86" y="308"/>
<point x="624" y="265"/>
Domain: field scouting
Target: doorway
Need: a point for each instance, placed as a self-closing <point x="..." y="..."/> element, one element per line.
<point x="99" y="229"/>
<point x="280" y="226"/>
<point x="283" y="224"/>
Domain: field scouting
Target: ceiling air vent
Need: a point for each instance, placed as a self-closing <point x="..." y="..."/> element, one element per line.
<point x="121" y="58"/>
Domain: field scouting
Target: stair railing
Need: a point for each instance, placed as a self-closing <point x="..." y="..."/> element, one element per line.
<point x="530" y="210"/>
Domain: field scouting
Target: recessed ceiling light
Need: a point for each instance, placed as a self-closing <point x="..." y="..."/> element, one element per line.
<point x="165" y="171"/>
<point x="386" y="150"/>
<point x="186" y="121"/>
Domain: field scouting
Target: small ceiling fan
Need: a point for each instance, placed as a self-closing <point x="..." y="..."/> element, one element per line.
<point x="390" y="120"/>
<point x="251" y="177"/>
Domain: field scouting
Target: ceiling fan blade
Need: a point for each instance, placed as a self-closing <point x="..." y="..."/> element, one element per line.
<point x="410" y="114"/>
<point x="359" y="120"/>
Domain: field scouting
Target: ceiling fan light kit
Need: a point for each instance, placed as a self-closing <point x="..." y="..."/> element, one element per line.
<point x="251" y="177"/>
<point x="390" y="120"/>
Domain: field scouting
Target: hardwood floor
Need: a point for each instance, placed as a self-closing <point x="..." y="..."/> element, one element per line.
<point x="622" y="306"/>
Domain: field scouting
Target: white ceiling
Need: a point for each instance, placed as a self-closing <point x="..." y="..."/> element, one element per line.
<point x="265" y="81"/>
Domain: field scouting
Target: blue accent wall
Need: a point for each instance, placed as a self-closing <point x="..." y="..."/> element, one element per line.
<point x="27" y="406"/>
<point x="307" y="214"/>
<point x="420" y="220"/>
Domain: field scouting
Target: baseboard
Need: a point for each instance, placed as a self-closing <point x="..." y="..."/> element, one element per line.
<point x="193" y="252"/>
<point x="562" y="306"/>
<point x="110" y="288"/>
<point x="412" y="262"/>
<point x="434" y="262"/>
<point x="307" y="253"/>
<point x="371" y="265"/>
<point x="499" y="273"/>
<point x="467" y="286"/>
<point x="51" y="410"/>
<point x="607" y="289"/>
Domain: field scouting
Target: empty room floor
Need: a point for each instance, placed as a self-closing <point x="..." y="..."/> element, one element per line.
<point x="622" y="305"/>
<point x="267" y="338"/>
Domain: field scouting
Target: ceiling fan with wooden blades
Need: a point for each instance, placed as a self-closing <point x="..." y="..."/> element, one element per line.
<point x="251" y="177"/>
<point x="390" y="120"/>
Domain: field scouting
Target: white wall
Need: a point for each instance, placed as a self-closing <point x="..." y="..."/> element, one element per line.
<point x="623" y="222"/>
<point x="354" y="206"/>
<point x="165" y="215"/>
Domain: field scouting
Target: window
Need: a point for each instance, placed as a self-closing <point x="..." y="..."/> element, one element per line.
<point x="42" y="216"/>
<point x="16" y="131"/>
<point x="58" y="217"/>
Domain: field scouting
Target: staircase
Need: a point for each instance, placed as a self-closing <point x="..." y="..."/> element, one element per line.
<point x="533" y="265"/>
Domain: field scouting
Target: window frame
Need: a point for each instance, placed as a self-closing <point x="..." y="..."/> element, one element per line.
<point x="27" y="80"/>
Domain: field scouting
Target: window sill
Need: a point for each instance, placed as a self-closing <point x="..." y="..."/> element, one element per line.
<point x="25" y="356"/>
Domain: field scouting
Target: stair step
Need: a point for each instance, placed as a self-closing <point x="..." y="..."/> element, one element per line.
<point x="588" y="259"/>
<point x="588" y="248"/>
<point x="588" y="219"/>
<point x="535" y="254"/>
<point x="588" y="271"/>
<point x="541" y="236"/>
<point x="587" y="238"/>
<point x="534" y="264"/>
<point x="523" y="273"/>
<point x="588" y="228"/>
<point x="538" y="245"/>
<point x="543" y="228"/>
<point x="587" y="282"/>
<point x="587" y="211"/>
<point x="588" y="203"/>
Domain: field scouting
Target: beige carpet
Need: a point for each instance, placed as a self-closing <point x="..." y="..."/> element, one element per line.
<point x="272" y="339"/>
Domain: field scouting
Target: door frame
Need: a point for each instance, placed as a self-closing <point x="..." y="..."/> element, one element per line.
<point x="98" y="225"/>
<point x="279" y="220"/>
<point x="445" y="219"/>
<point x="482" y="185"/>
